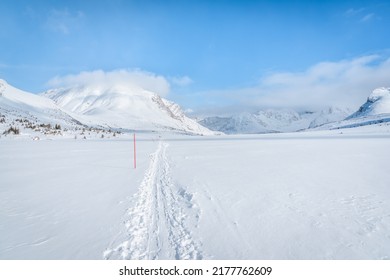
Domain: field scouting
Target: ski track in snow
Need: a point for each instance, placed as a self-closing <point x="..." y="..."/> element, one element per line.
<point x="156" y="225"/>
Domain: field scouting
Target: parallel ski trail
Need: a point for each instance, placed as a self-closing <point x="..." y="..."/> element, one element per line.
<point x="156" y="226"/>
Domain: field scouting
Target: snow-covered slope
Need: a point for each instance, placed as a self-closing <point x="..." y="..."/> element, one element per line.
<point x="124" y="107"/>
<point x="376" y="111"/>
<point x="331" y="114"/>
<point x="30" y="112"/>
<point x="266" y="121"/>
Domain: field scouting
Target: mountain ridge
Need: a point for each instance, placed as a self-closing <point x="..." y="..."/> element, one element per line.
<point x="124" y="109"/>
<point x="272" y="120"/>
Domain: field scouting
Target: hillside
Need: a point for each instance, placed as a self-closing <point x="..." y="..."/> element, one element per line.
<point x="32" y="114"/>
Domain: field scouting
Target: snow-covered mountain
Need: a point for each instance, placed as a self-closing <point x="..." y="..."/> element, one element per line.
<point x="33" y="113"/>
<point x="376" y="111"/>
<point x="267" y="121"/>
<point x="119" y="108"/>
<point x="16" y="101"/>
<point x="82" y="107"/>
<point x="124" y="108"/>
<point x="378" y="102"/>
<point x="329" y="115"/>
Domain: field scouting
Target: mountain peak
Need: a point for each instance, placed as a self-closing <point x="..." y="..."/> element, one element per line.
<point x="378" y="102"/>
<point x="378" y="94"/>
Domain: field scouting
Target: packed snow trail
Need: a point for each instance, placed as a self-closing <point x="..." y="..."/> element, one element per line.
<point x="156" y="225"/>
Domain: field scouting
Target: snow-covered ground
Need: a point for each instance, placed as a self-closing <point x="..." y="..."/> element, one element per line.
<point x="310" y="195"/>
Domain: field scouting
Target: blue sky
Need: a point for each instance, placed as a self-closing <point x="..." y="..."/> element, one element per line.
<point x="212" y="53"/>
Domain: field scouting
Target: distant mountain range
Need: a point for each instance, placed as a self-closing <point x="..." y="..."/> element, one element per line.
<point x="135" y="109"/>
<point x="375" y="110"/>
<point x="268" y="121"/>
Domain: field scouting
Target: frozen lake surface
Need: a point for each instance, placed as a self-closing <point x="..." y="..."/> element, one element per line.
<point x="319" y="195"/>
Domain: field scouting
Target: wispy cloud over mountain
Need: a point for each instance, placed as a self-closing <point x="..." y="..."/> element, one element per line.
<point x="117" y="78"/>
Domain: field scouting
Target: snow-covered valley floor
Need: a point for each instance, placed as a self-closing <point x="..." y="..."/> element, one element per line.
<point x="318" y="195"/>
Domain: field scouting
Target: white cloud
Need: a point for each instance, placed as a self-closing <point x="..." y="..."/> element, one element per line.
<point x="352" y="12"/>
<point x="367" y="17"/>
<point x="119" y="79"/>
<point x="182" y="81"/>
<point x="188" y="111"/>
<point x="343" y="83"/>
<point x="63" y="21"/>
<point x="361" y="14"/>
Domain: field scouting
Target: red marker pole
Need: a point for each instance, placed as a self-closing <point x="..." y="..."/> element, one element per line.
<point x="135" y="154"/>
